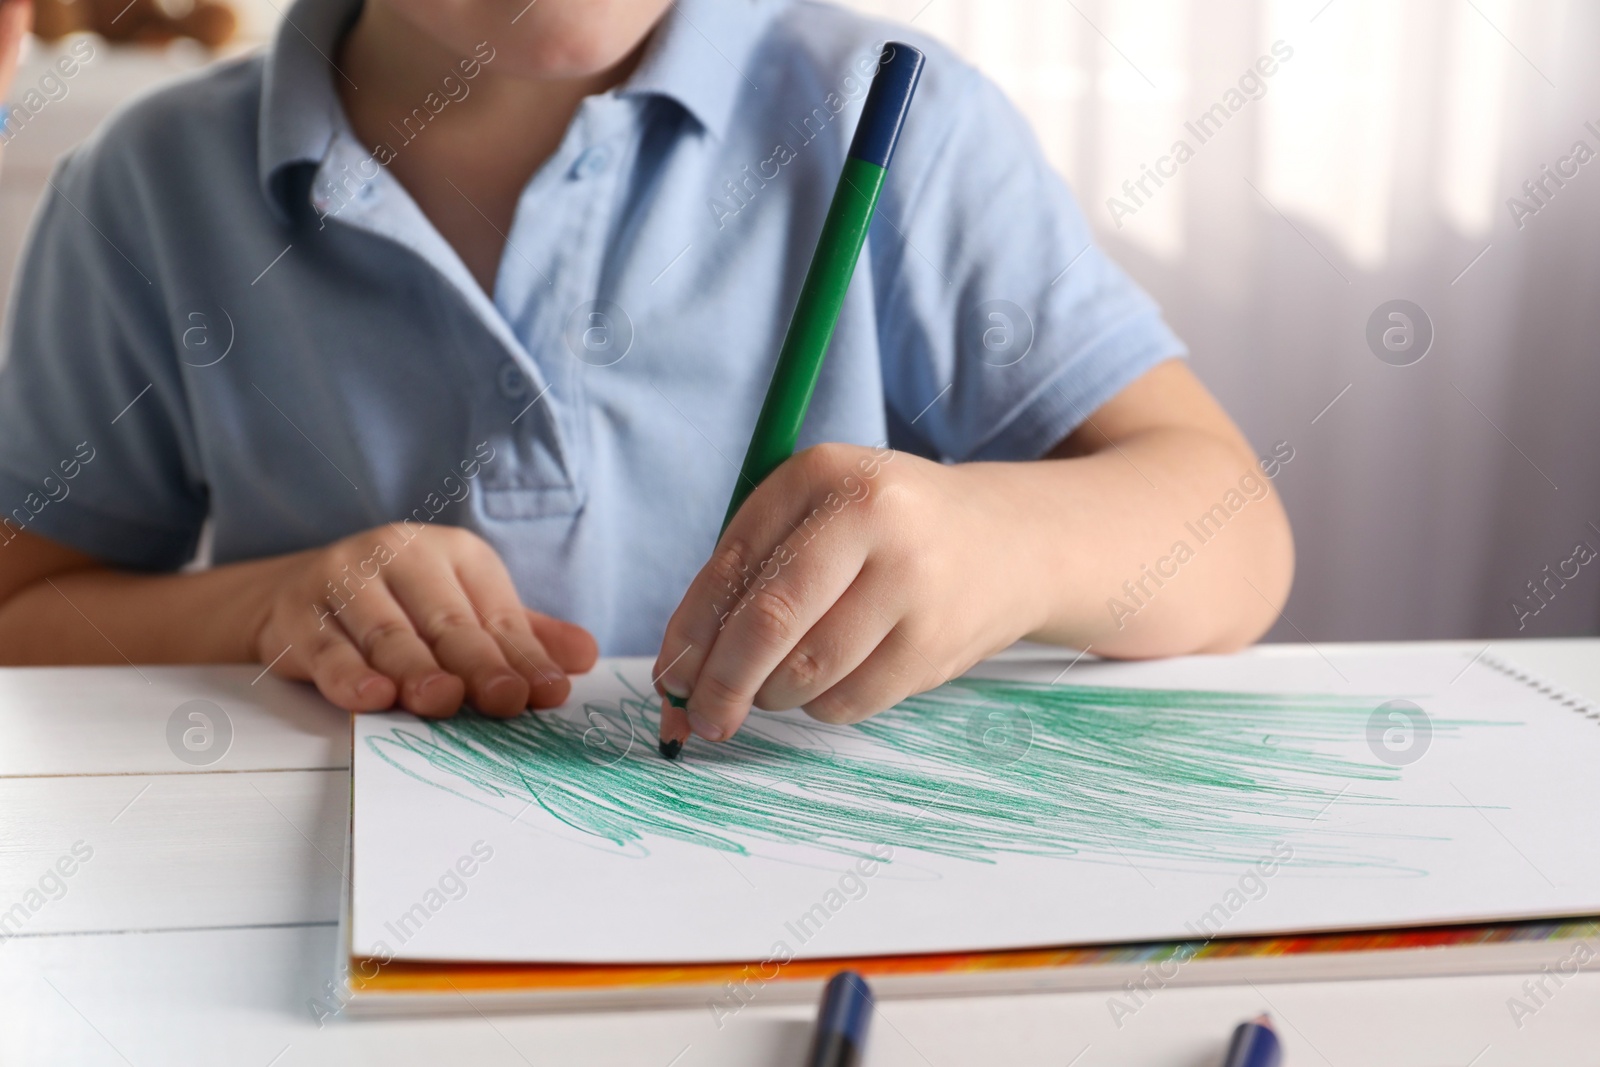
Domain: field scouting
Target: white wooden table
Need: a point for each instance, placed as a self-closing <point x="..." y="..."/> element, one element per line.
<point x="205" y="918"/>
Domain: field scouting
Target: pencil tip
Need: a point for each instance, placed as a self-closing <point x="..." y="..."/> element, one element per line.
<point x="670" y="749"/>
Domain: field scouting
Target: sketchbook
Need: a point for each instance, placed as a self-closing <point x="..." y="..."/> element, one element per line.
<point x="1037" y="801"/>
<point x="1130" y="973"/>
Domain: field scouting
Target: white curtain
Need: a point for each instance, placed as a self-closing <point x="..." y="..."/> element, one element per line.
<point x="1374" y="164"/>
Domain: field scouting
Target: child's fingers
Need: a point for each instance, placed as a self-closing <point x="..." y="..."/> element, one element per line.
<point x="839" y="643"/>
<point x="548" y="685"/>
<point x="894" y="671"/>
<point x="696" y="625"/>
<point x="764" y="628"/>
<point x="489" y="588"/>
<point x="547" y="682"/>
<point x="385" y="636"/>
<point x="573" y="648"/>
<point x="450" y="624"/>
<point x="472" y="654"/>
<point x="745" y="557"/>
<point x="333" y="662"/>
<point x="715" y="591"/>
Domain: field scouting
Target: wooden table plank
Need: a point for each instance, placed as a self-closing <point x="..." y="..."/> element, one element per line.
<point x="115" y="720"/>
<point x="178" y="850"/>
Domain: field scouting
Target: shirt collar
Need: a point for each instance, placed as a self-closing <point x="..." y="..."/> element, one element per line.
<point x="700" y="56"/>
<point x="300" y="109"/>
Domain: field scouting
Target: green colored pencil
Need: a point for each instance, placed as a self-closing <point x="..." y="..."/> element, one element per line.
<point x="844" y="232"/>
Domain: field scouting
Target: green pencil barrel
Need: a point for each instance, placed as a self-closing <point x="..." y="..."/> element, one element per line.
<point x="804" y="346"/>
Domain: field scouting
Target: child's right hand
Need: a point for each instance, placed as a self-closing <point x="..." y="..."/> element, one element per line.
<point x="377" y="620"/>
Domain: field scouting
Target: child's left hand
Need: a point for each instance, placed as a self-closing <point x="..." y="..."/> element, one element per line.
<point x="850" y="579"/>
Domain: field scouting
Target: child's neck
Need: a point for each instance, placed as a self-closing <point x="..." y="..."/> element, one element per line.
<point x="468" y="168"/>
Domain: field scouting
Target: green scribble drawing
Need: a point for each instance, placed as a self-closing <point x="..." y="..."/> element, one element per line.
<point x="973" y="769"/>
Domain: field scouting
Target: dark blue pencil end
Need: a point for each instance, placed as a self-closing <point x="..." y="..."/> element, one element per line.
<point x="670" y="749"/>
<point x="842" y="1022"/>
<point x="899" y="67"/>
<point x="1254" y="1044"/>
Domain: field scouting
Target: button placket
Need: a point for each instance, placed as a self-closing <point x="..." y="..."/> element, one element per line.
<point x="607" y="123"/>
<point x="513" y="383"/>
<point x="593" y="162"/>
<point x="596" y="147"/>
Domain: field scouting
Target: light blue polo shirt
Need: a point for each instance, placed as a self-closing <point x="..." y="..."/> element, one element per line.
<point x="230" y="310"/>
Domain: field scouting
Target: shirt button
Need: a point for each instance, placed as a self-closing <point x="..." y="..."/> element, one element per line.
<point x="513" y="383"/>
<point x="592" y="162"/>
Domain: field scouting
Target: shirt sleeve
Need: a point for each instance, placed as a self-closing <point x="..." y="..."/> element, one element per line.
<point x="96" y="443"/>
<point x="1003" y="326"/>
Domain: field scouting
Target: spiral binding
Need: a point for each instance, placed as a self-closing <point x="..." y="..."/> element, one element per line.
<point x="1534" y="682"/>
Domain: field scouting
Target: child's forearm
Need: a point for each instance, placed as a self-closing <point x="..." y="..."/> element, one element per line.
<point x="1169" y="542"/>
<point x="107" y="616"/>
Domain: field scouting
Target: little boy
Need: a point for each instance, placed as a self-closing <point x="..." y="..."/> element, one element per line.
<point x="447" y="324"/>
